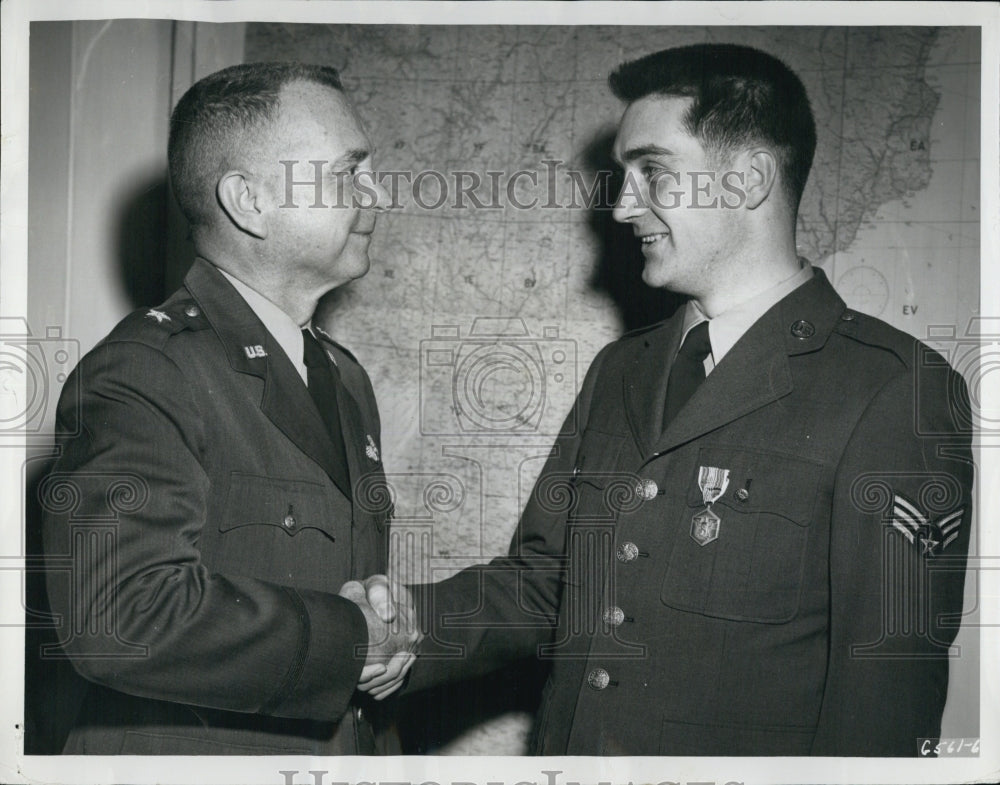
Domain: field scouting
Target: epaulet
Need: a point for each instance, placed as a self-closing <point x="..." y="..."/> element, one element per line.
<point x="643" y="330"/>
<point x="872" y="331"/>
<point x="154" y="326"/>
<point x="329" y="339"/>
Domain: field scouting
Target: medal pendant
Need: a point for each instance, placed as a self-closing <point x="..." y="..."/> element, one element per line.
<point x="705" y="526"/>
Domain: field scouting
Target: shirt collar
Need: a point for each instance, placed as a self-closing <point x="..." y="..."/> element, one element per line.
<point x="728" y="327"/>
<point x="279" y="324"/>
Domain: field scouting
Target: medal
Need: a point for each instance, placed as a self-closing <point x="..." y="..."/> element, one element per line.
<point x="705" y="523"/>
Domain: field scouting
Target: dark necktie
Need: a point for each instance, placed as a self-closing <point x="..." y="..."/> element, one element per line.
<point x="688" y="371"/>
<point x="323" y="382"/>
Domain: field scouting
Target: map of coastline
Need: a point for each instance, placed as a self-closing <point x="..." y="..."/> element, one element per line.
<point x="890" y="212"/>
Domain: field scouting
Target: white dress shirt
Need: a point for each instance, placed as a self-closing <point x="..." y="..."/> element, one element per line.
<point x="728" y="327"/>
<point x="281" y="326"/>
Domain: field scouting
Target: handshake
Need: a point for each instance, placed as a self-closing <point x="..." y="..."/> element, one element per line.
<point x="393" y="633"/>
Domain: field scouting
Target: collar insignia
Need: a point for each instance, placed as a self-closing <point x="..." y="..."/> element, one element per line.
<point x="160" y="316"/>
<point x="371" y="450"/>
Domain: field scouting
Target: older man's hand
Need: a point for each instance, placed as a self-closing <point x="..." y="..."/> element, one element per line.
<point x="393" y="635"/>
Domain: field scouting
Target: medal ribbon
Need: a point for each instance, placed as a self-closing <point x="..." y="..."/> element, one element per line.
<point x="713" y="483"/>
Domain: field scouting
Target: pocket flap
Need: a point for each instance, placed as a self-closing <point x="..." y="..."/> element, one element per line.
<point x="770" y="482"/>
<point x="597" y="460"/>
<point x="600" y="490"/>
<point x="291" y="505"/>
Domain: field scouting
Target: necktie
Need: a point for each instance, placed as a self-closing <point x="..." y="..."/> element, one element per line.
<point x="688" y="371"/>
<point x="323" y="381"/>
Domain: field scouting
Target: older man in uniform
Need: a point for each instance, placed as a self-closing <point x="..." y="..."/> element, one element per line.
<point x="751" y="536"/>
<point x="235" y="453"/>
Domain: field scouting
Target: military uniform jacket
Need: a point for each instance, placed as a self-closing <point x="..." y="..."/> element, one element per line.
<point x="815" y="618"/>
<point x="207" y="539"/>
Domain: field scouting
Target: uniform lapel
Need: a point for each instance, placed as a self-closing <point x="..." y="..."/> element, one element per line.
<point x="352" y="423"/>
<point x="645" y="380"/>
<point x="285" y="400"/>
<point x="755" y="372"/>
<point x="751" y="375"/>
<point x="289" y="406"/>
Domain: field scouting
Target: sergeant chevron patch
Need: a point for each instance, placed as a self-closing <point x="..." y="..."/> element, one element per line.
<point x="934" y="536"/>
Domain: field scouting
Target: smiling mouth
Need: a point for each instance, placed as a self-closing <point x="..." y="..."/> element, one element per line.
<point x="652" y="239"/>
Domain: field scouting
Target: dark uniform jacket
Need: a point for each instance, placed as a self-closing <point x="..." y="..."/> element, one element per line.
<point x="207" y="539"/>
<point x="815" y="620"/>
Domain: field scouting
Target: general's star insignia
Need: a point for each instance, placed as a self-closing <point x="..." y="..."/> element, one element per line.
<point x="160" y="316"/>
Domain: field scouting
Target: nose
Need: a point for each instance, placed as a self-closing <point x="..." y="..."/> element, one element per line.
<point x="373" y="195"/>
<point x="631" y="202"/>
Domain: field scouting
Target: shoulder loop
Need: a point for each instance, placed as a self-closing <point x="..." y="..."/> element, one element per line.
<point x="872" y="331"/>
<point x="325" y="336"/>
<point x="155" y="325"/>
<point x="645" y="329"/>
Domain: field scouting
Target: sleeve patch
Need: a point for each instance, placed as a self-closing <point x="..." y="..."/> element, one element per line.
<point x="932" y="536"/>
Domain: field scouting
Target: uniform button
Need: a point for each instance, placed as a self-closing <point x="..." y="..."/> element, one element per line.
<point x="742" y="495"/>
<point x="359" y="714"/>
<point x="192" y="311"/>
<point x="614" y="616"/>
<point x="598" y="678"/>
<point x="288" y="522"/>
<point x="803" y="329"/>
<point x="646" y="489"/>
<point x="627" y="551"/>
<point x="848" y="316"/>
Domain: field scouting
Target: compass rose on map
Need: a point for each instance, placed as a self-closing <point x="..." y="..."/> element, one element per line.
<point x="865" y="289"/>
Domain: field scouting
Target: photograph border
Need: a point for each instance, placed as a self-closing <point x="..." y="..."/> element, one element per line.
<point x="15" y="18"/>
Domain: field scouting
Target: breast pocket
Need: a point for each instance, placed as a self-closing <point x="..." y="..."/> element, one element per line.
<point x="748" y="565"/>
<point x="288" y="531"/>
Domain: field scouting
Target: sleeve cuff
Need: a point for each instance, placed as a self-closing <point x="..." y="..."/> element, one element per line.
<point x="330" y="659"/>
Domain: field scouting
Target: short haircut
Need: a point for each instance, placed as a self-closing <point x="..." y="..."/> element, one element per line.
<point x="217" y="115"/>
<point x="742" y="96"/>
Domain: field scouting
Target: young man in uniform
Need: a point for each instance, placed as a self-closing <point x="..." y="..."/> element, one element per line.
<point x="749" y="536"/>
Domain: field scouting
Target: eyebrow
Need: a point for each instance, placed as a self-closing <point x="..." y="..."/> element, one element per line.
<point x="640" y="152"/>
<point x="354" y="156"/>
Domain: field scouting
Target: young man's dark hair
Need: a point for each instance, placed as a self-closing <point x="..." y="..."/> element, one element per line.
<point x="741" y="96"/>
<point x="209" y="121"/>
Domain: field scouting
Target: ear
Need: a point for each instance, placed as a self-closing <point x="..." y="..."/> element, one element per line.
<point x="238" y="198"/>
<point x="762" y="175"/>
